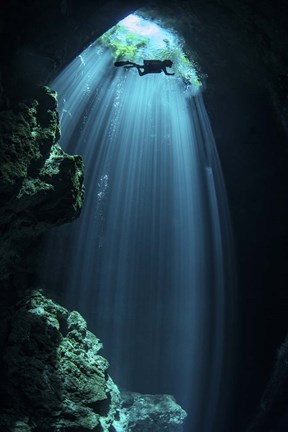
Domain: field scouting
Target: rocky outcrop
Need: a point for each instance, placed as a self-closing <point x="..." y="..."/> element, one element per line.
<point x="40" y="185"/>
<point x="151" y="413"/>
<point x="52" y="376"/>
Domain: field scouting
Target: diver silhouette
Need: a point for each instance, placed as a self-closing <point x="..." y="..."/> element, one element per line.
<point x="149" y="66"/>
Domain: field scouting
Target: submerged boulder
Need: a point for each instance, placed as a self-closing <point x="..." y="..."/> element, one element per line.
<point x="52" y="376"/>
<point x="150" y="413"/>
<point x="40" y="185"/>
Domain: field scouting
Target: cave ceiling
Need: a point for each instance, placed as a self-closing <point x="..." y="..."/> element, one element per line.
<point x="39" y="38"/>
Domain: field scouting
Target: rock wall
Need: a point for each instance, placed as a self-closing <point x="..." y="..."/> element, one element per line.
<point x="40" y="185"/>
<point x="52" y="376"/>
<point x="272" y="414"/>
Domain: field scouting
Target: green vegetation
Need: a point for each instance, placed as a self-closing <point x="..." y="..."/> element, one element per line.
<point x="125" y="45"/>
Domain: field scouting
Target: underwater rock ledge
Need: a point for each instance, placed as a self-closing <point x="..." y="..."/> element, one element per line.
<point x="40" y="185"/>
<point x="52" y="377"/>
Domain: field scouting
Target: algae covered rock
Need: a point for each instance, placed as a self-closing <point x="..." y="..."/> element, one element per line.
<point x="52" y="376"/>
<point x="40" y="185"/>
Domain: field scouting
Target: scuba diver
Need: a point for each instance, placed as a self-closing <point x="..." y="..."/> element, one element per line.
<point x="149" y="66"/>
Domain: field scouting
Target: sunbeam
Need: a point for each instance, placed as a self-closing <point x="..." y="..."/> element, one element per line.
<point x="149" y="263"/>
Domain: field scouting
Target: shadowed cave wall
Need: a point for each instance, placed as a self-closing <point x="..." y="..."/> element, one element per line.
<point x="241" y="51"/>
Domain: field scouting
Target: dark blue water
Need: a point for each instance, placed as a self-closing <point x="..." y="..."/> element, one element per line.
<point x="149" y="264"/>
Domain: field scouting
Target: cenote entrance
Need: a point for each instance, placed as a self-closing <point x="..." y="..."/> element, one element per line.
<point x="149" y="264"/>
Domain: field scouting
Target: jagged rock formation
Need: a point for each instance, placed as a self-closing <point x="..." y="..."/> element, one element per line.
<point x="40" y="185"/>
<point x="52" y="377"/>
<point x="151" y="413"/>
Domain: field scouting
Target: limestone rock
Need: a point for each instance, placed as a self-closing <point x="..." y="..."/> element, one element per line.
<point x="40" y="185"/>
<point x="52" y="376"/>
<point x="150" y="413"/>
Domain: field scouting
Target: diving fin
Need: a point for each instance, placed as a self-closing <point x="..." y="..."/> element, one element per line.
<point x="122" y="63"/>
